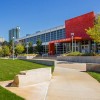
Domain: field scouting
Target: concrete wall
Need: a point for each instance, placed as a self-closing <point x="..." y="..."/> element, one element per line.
<point x="45" y="62"/>
<point x="31" y="77"/>
<point x="80" y="59"/>
<point x="93" y="67"/>
<point x="25" y="57"/>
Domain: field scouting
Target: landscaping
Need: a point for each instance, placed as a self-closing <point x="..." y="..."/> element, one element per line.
<point x="7" y="95"/>
<point x="10" y="68"/>
<point x="80" y="54"/>
<point x="95" y="75"/>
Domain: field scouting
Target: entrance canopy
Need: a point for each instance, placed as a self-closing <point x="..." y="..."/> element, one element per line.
<point x="66" y="40"/>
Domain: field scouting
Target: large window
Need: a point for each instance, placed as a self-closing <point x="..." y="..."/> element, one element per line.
<point x="31" y="39"/>
<point x="38" y="37"/>
<point x="53" y="35"/>
<point x="34" y="39"/>
<point x="43" y="38"/>
<point x="47" y="37"/>
<point x="61" y="34"/>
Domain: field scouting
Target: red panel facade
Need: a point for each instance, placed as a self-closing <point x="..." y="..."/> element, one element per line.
<point x="51" y="48"/>
<point x="78" y="25"/>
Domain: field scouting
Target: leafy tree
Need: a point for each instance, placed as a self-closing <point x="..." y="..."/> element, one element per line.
<point x="94" y="32"/>
<point x="19" y="49"/>
<point x="5" y="43"/>
<point x="6" y="50"/>
<point x="10" y="46"/>
<point x="39" y="46"/>
<point x="1" y="51"/>
<point x="30" y="47"/>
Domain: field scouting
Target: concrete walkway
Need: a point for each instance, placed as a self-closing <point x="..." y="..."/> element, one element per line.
<point x="34" y="92"/>
<point x="69" y="82"/>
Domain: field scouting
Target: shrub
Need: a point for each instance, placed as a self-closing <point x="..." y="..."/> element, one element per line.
<point x="74" y="54"/>
<point x="80" y="54"/>
<point x="89" y="54"/>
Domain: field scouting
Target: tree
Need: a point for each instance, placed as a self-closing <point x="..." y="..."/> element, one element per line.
<point x="39" y="46"/>
<point x="30" y="47"/>
<point x="6" y="50"/>
<point x="94" y="32"/>
<point x="5" y="43"/>
<point x="1" y="51"/>
<point x="19" y="49"/>
<point x="10" y="46"/>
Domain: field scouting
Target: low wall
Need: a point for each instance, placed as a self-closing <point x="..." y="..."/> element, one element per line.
<point x="80" y="59"/>
<point x="45" y="62"/>
<point x="25" y="57"/>
<point x="31" y="77"/>
<point x="93" y="67"/>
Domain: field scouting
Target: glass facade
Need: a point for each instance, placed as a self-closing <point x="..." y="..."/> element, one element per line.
<point x="47" y="37"/>
<point x="14" y="33"/>
<point x="52" y="34"/>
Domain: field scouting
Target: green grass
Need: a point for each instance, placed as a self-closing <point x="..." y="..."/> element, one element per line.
<point x="10" y="68"/>
<point x="7" y="95"/>
<point x="95" y="75"/>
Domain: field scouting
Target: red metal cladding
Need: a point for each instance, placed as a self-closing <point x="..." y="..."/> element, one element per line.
<point x="51" y="48"/>
<point x="78" y="25"/>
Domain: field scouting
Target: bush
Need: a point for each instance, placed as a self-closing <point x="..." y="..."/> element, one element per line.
<point x="89" y="54"/>
<point x="80" y="54"/>
<point x="74" y="54"/>
<point x="1" y="51"/>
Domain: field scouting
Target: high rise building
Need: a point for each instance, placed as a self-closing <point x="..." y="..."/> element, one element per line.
<point x="14" y="33"/>
<point x="1" y="40"/>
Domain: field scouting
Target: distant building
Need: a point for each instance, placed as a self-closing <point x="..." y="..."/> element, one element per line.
<point x="14" y="33"/>
<point x="1" y="40"/>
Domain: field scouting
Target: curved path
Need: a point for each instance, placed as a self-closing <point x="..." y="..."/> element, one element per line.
<point x="70" y="82"/>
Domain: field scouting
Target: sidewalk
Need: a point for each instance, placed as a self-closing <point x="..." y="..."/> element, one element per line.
<point x="69" y="83"/>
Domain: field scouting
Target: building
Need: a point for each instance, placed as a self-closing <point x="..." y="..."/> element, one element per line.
<point x="46" y="36"/>
<point x="1" y="40"/>
<point x="69" y="37"/>
<point x="14" y="33"/>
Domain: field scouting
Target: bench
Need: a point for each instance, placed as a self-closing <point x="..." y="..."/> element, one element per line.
<point x="31" y="77"/>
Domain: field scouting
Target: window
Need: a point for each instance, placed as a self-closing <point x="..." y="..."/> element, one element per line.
<point x="47" y="37"/>
<point x="43" y="38"/>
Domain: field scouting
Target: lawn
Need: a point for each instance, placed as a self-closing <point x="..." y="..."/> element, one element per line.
<point x="7" y="95"/>
<point x="8" y="69"/>
<point x="95" y="75"/>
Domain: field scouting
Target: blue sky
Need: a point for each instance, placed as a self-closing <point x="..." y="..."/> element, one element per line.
<point x="37" y="15"/>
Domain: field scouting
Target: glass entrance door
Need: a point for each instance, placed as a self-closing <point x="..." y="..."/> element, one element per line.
<point x="85" y="48"/>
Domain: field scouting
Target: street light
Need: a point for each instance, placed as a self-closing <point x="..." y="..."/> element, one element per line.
<point x="13" y="48"/>
<point x="72" y="34"/>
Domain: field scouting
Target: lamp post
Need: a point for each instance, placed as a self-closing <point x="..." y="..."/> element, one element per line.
<point x="13" y="48"/>
<point x="72" y="34"/>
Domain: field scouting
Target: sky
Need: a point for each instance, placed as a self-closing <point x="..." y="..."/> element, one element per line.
<point x="38" y="15"/>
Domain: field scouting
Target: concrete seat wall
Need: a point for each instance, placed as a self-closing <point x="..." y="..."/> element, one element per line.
<point x="31" y="77"/>
<point x="80" y="59"/>
<point x="93" y="67"/>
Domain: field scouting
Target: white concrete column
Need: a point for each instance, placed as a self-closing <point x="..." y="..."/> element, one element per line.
<point x="56" y="47"/>
<point x="75" y="45"/>
<point x="63" y="47"/>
